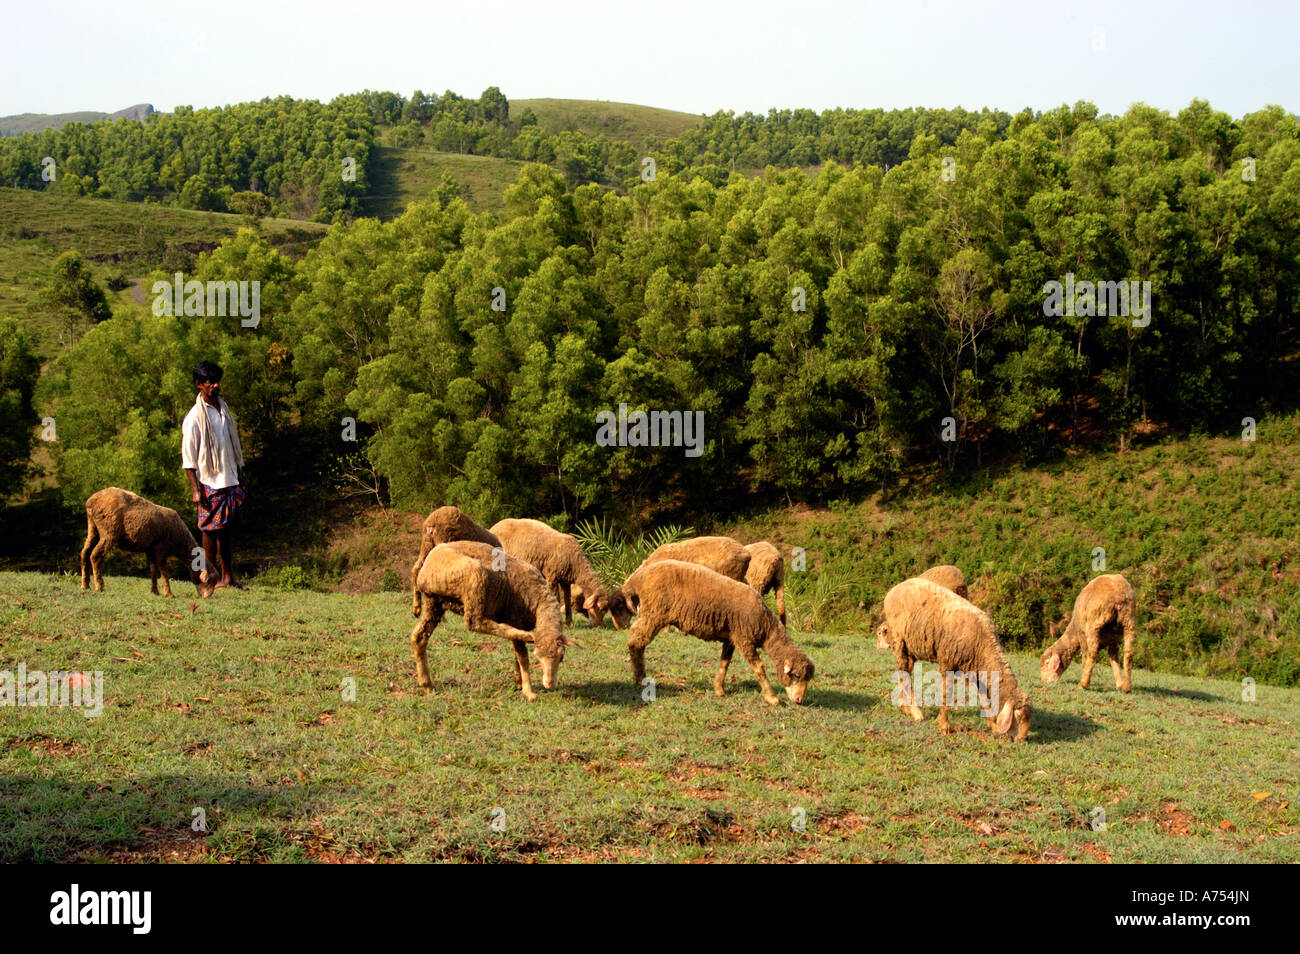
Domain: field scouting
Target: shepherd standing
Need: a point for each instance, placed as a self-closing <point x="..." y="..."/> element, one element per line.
<point x="213" y="461"/>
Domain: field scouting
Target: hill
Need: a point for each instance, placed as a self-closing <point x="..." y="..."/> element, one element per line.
<point x="642" y="126"/>
<point x="118" y="238"/>
<point x="260" y="730"/>
<point x="35" y="122"/>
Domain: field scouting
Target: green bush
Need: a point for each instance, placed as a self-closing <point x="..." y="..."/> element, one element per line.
<point x="293" y="577"/>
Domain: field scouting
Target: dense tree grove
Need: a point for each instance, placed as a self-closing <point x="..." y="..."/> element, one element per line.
<point x="833" y="328"/>
<point x="291" y="150"/>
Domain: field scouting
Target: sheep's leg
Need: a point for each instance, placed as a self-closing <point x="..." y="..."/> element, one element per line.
<point x="92" y="537"/>
<point x="1090" y="648"/>
<point x="97" y="561"/>
<point x="1130" y="627"/>
<point x="1120" y="673"/>
<point x="641" y="634"/>
<point x="719" y="681"/>
<point x="566" y="600"/>
<point x="521" y="670"/>
<point x="153" y="573"/>
<point x="943" y="703"/>
<point x="430" y="617"/>
<point x="425" y="546"/>
<point x="751" y="657"/>
<point x="160" y="564"/>
<point x="904" y="662"/>
<point x="482" y="624"/>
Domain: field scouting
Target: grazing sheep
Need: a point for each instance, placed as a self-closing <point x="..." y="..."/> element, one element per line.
<point x="119" y="518"/>
<point x="514" y="602"/>
<point x="928" y="622"/>
<point x="711" y="606"/>
<point x="947" y="576"/>
<point x="758" y="565"/>
<point x="563" y="563"/>
<point x="767" y="572"/>
<point x="720" y="554"/>
<point x="1103" y="616"/>
<point x="443" y="526"/>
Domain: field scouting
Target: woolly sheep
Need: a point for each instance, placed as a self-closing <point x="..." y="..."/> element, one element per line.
<point x="713" y="607"/>
<point x="767" y="572"/>
<point x="758" y="565"/>
<point x="119" y="518"/>
<point x="1103" y="616"/>
<point x="495" y="594"/>
<point x="443" y="526"/>
<point x="928" y="622"/>
<point x="563" y="563"/>
<point x="720" y="554"/>
<point x="947" y="576"/>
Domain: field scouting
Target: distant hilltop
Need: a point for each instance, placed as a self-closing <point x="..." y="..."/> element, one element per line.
<point x="35" y="122"/>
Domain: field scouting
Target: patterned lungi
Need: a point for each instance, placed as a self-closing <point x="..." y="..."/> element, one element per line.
<point x="219" y="507"/>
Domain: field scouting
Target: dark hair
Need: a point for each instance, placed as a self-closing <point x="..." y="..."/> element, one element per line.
<point x="207" y="371"/>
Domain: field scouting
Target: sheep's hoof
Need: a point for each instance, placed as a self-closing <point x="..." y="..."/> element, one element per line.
<point x="916" y="714"/>
<point x="719" y="691"/>
<point x="945" y="728"/>
<point x="531" y="696"/>
<point x="772" y="700"/>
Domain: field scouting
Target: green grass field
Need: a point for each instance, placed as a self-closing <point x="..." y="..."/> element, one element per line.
<point x="399" y="176"/>
<point x="235" y="706"/>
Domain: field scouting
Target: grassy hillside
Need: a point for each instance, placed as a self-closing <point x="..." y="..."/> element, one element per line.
<point x="128" y="238"/>
<point x="399" y="176"/>
<point x="234" y="706"/>
<point x="1207" y="529"/>
<point x="643" y="126"/>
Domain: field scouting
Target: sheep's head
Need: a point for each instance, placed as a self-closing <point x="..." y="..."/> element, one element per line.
<point x="204" y="587"/>
<point x="549" y="657"/>
<point x="882" y="636"/>
<point x="795" y="672"/>
<point x="596" y="605"/>
<point x="1051" y="666"/>
<point x="619" y="609"/>
<point x="1014" y="718"/>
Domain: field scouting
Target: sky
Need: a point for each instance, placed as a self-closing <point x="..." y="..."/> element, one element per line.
<point x="694" y="57"/>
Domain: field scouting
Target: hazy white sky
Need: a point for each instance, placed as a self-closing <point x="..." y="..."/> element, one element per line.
<point x="695" y="57"/>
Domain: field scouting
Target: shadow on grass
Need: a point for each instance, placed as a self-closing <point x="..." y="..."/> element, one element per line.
<point x="45" y="819"/>
<point x="1060" y="727"/>
<point x="620" y="692"/>
<point x="834" y="699"/>
<point x="1184" y="694"/>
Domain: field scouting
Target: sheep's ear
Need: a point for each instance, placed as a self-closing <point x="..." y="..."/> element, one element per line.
<point x="1003" y="723"/>
<point x="1055" y="662"/>
<point x="787" y="668"/>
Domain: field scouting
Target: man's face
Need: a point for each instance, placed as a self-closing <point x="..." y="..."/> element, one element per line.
<point x="210" y="391"/>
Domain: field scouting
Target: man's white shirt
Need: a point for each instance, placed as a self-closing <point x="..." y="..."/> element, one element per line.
<point x="228" y="473"/>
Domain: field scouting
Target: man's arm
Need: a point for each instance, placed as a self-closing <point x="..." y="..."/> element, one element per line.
<point x="196" y="489"/>
<point x="190" y="457"/>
